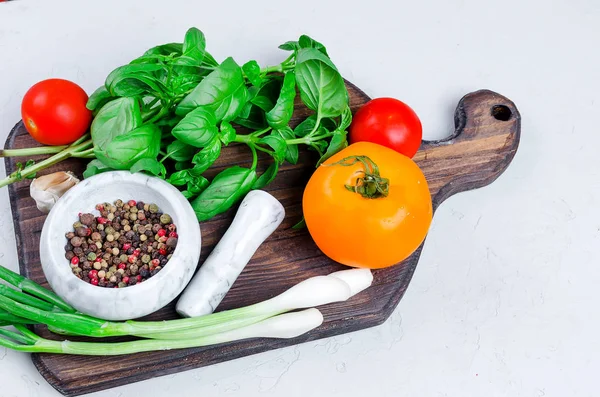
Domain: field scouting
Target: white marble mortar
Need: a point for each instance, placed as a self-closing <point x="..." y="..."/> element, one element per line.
<point x="134" y="301"/>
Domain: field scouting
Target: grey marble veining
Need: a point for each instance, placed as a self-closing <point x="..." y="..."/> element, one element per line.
<point x="134" y="301"/>
<point x="258" y="216"/>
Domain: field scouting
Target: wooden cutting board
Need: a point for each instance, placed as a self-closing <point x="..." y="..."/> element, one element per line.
<point x="483" y="145"/>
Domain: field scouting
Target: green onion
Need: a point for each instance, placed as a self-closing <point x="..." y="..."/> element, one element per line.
<point x="289" y="325"/>
<point x="268" y="319"/>
<point x="312" y="292"/>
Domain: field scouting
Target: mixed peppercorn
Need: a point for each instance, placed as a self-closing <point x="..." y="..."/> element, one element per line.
<point x="127" y="244"/>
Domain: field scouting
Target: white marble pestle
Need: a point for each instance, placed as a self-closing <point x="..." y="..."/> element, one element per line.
<point x="258" y="216"/>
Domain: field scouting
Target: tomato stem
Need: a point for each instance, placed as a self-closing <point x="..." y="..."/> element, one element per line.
<point x="369" y="184"/>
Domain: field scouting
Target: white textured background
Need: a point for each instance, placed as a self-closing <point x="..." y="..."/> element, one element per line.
<point x="504" y="301"/>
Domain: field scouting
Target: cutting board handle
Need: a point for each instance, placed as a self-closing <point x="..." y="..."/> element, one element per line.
<point x="488" y="128"/>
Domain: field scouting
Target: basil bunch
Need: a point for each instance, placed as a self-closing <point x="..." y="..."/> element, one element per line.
<point x="169" y="113"/>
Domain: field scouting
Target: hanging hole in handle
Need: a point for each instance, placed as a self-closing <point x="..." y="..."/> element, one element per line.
<point x="501" y="112"/>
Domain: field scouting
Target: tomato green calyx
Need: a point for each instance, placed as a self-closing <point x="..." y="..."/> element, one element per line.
<point x="370" y="184"/>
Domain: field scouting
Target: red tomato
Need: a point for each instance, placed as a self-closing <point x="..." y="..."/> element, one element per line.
<point x="388" y="122"/>
<point x="54" y="112"/>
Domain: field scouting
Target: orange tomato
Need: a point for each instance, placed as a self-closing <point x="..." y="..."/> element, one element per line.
<point x="363" y="231"/>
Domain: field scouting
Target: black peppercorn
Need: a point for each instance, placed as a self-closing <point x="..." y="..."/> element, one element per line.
<point x="171" y="242"/>
<point x="87" y="219"/>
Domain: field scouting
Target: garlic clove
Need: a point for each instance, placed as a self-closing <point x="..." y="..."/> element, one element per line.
<point x="47" y="189"/>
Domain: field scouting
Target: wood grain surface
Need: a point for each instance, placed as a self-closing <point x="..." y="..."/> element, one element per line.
<point x="482" y="147"/>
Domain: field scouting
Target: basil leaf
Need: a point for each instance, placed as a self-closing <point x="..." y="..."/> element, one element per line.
<point x="184" y="81"/>
<point x="98" y="99"/>
<point x="307" y="42"/>
<point x="95" y="167"/>
<point x="187" y="195"/>
<point x="281" y="114"/>
<point x="321" y="86"/>
<point x="182" y="165"/>
<point x="207" y="156"/>
<point x="252" y="117"/>
<point x="289" y="46"/>
<point x="116" y="118"/>
<point x="125" y="150"/>
<point x="291" y="151"/>
<point x="266" y="177"/>
<point x="277" y="143"/>
<point x="166" y="49"/>
<point x="135" y="79"/>
<point x="194" y="48"/>
<point x="209" y="60"/>
<point x="300" y="225"/>
<point x="227" y="133"/>
<point x="223" y="91"/>
<point x="225" y="190"/>
<point x="149" y="165"/>
<point x="179" y="178"/>
<point x="263" y="102"/>
<point x="337" y="143"/>
<point x="308" y="54"/>
<point x="148" y="59"/>
<point x="179" y="151"/>
<point x="197" y="184"/>
<point x="305" y="127"/>
<point x="194" y="184"/>
<point x="252" y="71"/>
<point x="346" y="119"/>
<point x="267" y="95"/>
<point x="197" y="128"/>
